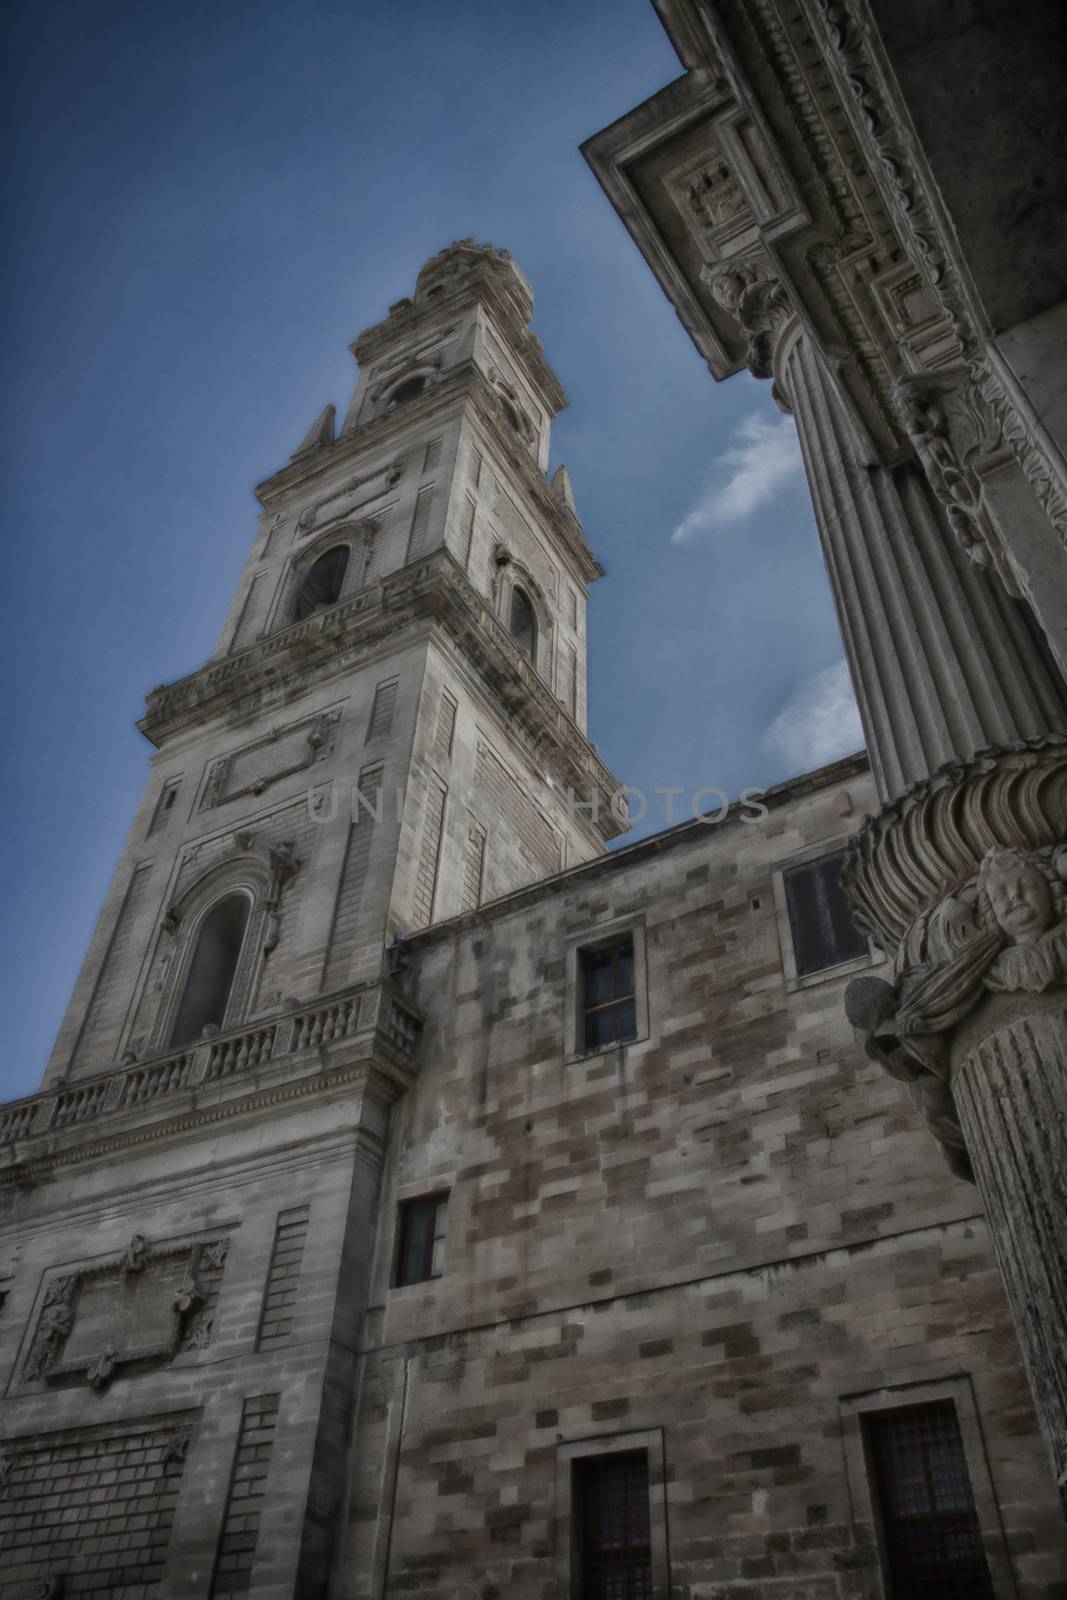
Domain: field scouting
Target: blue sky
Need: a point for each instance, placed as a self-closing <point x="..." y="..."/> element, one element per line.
<point x="204" y="204"/>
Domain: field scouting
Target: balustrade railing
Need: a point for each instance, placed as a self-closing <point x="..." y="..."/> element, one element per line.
<point x="368" y="1010"/>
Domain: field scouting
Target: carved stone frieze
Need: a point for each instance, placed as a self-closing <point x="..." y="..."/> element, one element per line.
<point x="139" y="1306"/>
<point x="950" y="425"/>
<point x="333" y="505"/>
<point x="252" y="769"/>
<point x="1014" y="430"/>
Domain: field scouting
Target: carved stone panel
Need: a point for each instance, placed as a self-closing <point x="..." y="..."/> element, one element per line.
<point x="257" y="766"/>
<point x="140" y="1306"/>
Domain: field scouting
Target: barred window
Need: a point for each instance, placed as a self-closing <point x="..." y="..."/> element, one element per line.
<point x="820" y="921"/>
<point x="932" y="1539"/>
<point x="608" y="998"/>
<point x="613" y="1526"/>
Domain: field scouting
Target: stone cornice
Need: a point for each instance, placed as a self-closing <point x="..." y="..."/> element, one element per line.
<point x="330" y="643"/>
<point x="678" y="837"/>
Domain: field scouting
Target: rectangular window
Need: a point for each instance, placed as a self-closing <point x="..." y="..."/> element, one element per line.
<point x="476" y="468"/>
<point x="381" y="716"/>
<point x="608" y="1005"/>
<point x="429" y="855"/>
<point x="473" y="867"/>
<point x="164" y="805"/>
<point x="445" y="731"/>
<point x="467" y="532"/>
<point x="613" y="1526"/>
<point x="431" y="455"/>
<point x="931" y="1535"/>
<point x="420" y="523"/>
<point x="420" y="1251"/>
<point x="820" y="921"/>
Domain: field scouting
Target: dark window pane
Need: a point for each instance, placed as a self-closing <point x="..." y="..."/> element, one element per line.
<point x="609" y="1013"/>
<point x="599" y="1029"/>
<point x="521" y="624"/>
<point x="408" y="390"/>
<point x="625" y="1020"/>
<point x="420" y="1252"/>
<point x="321" y="584"/>
<point x="613" y="1526"/>
<point x="820" y="921"/>
<point x="932" y="1539"/>
<point x="599" y="977"/>
<point x="212" y="969"/>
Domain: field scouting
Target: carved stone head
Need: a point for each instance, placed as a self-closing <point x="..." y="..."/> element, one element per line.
<point x="1019" y="892"/>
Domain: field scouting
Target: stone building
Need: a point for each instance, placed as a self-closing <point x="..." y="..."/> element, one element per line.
<point x="421" y="1199"/>
<point x="863" y="201"/>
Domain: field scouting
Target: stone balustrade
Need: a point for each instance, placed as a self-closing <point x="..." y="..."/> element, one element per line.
<point x="372" y="1015"/>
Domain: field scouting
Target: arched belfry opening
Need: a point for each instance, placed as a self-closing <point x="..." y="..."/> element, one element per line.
<point x="322" y="583"/>
<point x="213" y="967"/>
<point x="522" y="623"/>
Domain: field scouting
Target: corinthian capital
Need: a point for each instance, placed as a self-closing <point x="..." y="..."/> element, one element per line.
<point x="749" y="290"/>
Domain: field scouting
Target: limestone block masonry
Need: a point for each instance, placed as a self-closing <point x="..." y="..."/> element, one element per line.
<point x="803" y="195"/>
<point x="335" y="1252"/>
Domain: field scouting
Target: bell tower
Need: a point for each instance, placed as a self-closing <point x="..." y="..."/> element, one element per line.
<point x="392" y="728"/>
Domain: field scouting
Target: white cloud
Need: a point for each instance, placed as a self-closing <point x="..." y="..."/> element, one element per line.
<point x="818" y="723"/>
<point x="763" y="457"/>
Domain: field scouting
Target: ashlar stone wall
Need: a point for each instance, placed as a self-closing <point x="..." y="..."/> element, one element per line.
<point x="726" y="1241"/>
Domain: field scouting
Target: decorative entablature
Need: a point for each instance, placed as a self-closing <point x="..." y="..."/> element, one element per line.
<point x="364" y="1039"/>
<point x="333" y="642"/>
<point x="748" y="190"/>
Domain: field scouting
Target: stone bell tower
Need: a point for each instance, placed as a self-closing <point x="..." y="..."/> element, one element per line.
<point x="392" y="727"/>
<point x="390" y="732"/>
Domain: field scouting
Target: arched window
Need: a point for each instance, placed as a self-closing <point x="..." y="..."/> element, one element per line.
<point x="212" y="969"/>
<point x="408" y="390"/>
<point x="321" y="583"/>
<point x="522" y="624"/>
<point x="512" y="416"/>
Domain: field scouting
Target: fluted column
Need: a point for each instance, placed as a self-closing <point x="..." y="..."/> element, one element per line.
<point x="963" y="873"/>
<point x="944" y="662"/>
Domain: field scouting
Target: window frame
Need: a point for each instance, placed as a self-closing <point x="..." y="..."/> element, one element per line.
<point x="793" y="979"/>
<point x="405" y="1206"/>
<point x="862" y="1471"/>
<point x="239" y="891"/>
<point x="568" y="1546"/>
<point x="594" y="938"/>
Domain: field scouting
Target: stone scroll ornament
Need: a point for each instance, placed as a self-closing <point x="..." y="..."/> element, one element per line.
<point x="1004" y="931"/>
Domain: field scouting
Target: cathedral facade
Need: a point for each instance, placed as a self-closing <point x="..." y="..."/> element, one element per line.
<point x="422" y="1198"/>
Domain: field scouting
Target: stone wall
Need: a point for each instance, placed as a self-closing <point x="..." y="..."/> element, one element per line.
<point x="731" y="1236"/>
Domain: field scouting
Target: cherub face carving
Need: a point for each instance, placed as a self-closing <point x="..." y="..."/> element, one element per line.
<point x="1020" y="896"/>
